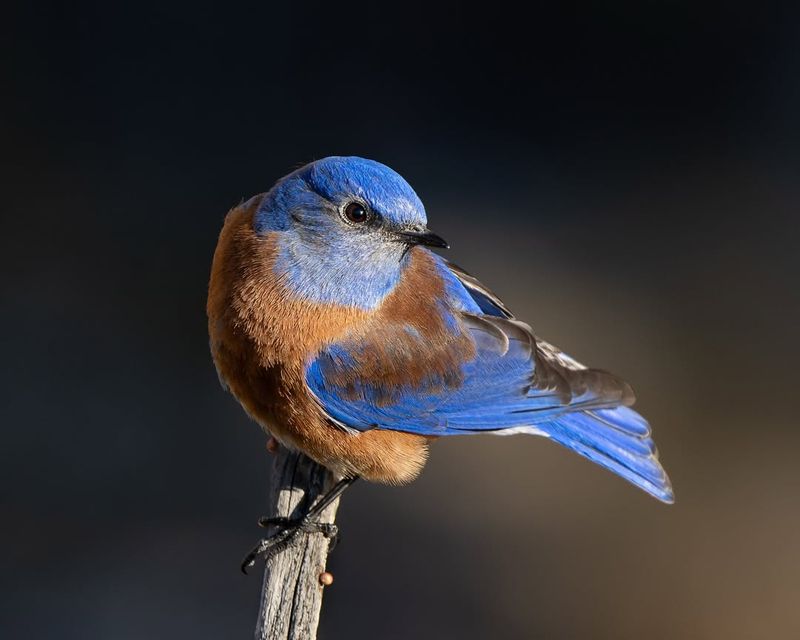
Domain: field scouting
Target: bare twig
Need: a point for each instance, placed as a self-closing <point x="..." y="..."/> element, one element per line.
<point x="291" y="597"/>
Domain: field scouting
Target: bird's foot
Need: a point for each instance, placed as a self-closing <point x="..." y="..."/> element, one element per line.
<point x="287" y="530"/>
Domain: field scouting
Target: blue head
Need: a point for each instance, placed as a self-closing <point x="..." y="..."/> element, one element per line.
<point x="344" y="225"/>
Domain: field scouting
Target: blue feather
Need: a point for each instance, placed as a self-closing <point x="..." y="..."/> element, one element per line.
<point x="512" y="384"/>
<point x="323" y="259"/>
<point x="614" y="440"/>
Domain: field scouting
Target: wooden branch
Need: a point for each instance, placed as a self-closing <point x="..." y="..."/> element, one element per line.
<point x="291" y="596"/>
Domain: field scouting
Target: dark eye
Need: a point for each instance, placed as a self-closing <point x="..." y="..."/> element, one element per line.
<point x="356" y="213"/>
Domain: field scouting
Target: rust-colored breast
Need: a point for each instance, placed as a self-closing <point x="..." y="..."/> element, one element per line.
<point x="261" y="340"/>
<point x="408" y="341"/>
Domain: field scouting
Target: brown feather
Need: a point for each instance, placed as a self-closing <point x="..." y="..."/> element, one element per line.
<point x="262" y="338"/>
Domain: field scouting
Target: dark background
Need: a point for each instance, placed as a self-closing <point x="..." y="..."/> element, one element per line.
<point x="623" y="174"/>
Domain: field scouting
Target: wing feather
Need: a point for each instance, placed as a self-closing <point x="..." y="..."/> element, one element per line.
<point x="507" y="381"/>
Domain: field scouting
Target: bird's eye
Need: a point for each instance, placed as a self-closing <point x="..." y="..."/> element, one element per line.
<point x="356" y="213"/>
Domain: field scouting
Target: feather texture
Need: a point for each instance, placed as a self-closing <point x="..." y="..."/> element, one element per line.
<point x="498" y="377"/>
<point x="346" y="341"/>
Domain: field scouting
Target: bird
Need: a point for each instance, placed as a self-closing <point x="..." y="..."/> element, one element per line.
<point x="344" y="335"/>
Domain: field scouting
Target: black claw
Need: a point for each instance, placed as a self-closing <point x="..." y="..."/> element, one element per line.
<point x="265" y="522"/>
<point x="335" y="539"/>
<point x="249" y="561"/>
<point x="281" y="539"/>
<point x="287" y="529"/>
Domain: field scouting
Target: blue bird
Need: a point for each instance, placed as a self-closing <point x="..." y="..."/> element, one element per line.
<point x="345" y="337"/>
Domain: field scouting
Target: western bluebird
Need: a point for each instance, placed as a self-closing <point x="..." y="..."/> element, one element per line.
<point x="345" y="337"/>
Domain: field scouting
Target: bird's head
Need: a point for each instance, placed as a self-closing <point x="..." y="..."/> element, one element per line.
<point x="344" y="227"/>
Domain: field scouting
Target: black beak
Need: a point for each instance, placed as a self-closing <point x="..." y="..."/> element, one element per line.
<point x="424" y="237"/>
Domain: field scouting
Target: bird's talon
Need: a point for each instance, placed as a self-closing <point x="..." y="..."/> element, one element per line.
<point x="334" y="539"/>
<point x="281" y="539"/>
<point x="330" y="531"/>
<point x="265" y="522"/>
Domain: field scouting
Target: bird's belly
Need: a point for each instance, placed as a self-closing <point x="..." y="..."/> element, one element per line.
<point x="277" y="398"/>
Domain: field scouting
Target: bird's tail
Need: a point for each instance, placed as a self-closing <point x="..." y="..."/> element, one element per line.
<point x="617" y="439"/>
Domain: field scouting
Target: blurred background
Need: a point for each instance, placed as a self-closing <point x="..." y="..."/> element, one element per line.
<point x="624" y="174"/>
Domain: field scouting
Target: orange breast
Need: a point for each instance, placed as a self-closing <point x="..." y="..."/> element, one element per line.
<point x="261" y="340"/>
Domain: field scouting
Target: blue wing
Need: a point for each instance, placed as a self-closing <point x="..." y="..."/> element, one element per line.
<point x="503" y="381"/>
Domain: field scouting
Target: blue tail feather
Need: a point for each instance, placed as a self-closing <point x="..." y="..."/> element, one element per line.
<point x="617" y="439"/>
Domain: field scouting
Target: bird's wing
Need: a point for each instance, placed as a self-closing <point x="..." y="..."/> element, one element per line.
<point x="487" y="301"/>
<point x="486" y="373"/>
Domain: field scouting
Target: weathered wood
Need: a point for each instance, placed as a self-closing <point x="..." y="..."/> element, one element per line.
<point x="291" y="596"/>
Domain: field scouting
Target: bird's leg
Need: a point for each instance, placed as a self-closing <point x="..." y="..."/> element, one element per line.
<point x="288" y="528"/>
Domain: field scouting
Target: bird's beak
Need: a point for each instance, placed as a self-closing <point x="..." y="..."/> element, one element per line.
<point x="423" y="237"/>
